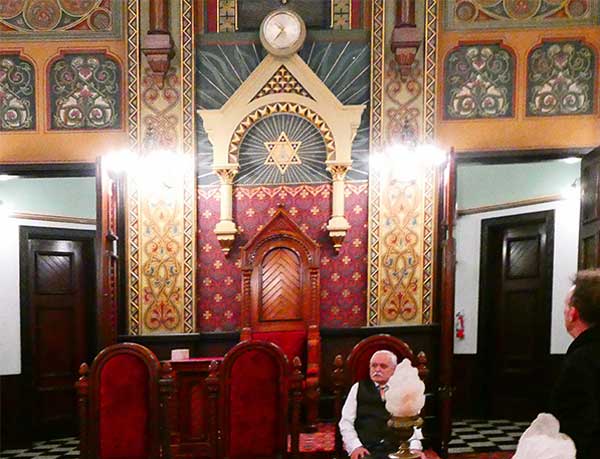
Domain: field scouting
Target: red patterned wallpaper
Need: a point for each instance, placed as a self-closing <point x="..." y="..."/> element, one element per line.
<point x="343" y="276"/>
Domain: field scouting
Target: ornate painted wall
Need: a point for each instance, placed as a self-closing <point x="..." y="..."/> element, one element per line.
<point x="551" y="64"/>
<point x="61" y="79"/>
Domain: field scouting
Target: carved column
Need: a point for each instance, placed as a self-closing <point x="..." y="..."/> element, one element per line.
<point x="405" y="36"/>
<point x="226" y="229"/>
<point x="338" y="225"/>
<point x="158" y="47"/>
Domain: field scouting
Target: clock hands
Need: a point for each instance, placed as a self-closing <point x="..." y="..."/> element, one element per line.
<point x="281" y="30"/>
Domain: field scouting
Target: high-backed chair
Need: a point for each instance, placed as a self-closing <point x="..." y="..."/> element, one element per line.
<point x="356" y="367"/>
<point x="253" y="392"/>
<point x="280" y="297"/>
<point x="122" y="405"/>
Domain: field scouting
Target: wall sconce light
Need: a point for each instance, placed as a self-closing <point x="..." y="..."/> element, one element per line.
<point x="405" y="36"/>
<point x="405" y="162"/>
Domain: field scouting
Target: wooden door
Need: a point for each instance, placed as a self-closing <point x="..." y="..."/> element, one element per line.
<point x="515" y="313"/>
<point x="110" y="268"/>
<point x="589" y="229"/>
<point x="57" y="304"/>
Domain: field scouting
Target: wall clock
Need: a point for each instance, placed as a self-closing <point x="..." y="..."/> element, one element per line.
<point x="282" y="32"/>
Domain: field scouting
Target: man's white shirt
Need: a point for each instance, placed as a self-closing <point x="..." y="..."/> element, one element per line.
<point x="346" y="425"/>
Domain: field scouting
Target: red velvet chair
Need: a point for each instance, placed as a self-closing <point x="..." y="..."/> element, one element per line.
<point x="280" y="297"/>
<point x="254" y="384"/>
<point x="356" y="368"/>
<point x="122" y="405"/>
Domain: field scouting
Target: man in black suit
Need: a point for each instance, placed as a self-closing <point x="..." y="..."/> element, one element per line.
<point x="576" y="397"/>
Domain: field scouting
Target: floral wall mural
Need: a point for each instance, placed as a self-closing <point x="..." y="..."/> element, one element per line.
<point x="85" y="92"/>
<point x="17" y="93"/>
<point x="560" y="79"/>
<point x="35" y="19"/>
<point x="479" y="82"/>
<point x="487" y="14"/>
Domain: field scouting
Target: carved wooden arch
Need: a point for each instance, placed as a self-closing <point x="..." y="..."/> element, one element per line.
<point x="282" y="238"/>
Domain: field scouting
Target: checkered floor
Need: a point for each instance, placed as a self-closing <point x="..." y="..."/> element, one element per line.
<point x="468" y="436"/>
<point x="64" y="448"/>
<point x="477" y="436"/>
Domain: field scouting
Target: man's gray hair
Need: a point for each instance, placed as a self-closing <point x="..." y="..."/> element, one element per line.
<point x="390" y="354"/>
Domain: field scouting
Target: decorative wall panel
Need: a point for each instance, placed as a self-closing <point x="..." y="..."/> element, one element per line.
<point x="479" y="82"/>
<point x="343" y="67"/>
<point x="160" y="104"/>
<point x="282" y="148"/>
<point x="488" y="14"/>
<point x="60" y="19"/>
<point x="343" y="276"/>
<point x="17" y="93"/>
<point x="561" y="77"/>
<point x="341" y="14"/>
<point x="85" y="92"/>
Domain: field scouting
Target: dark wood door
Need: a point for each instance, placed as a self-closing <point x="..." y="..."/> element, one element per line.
<point x="57" y="319"/>
<point x="515" y="313"/>
<point x="589" y="230"/>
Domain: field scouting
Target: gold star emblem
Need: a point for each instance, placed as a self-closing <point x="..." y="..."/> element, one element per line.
<point x="282" y="152"/>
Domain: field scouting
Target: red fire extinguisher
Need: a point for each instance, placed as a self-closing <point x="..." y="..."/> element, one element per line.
<point x="459" y="325"/>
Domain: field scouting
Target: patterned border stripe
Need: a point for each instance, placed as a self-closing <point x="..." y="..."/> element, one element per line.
<point x="429" y="192"/>
<point x="133" y="197"/>
<point x="430" y="69"/>
<point x="189" y="192"/>
<point x="377" y="88"/>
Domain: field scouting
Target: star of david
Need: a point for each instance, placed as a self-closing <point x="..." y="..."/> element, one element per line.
<point x="283" y="152"/>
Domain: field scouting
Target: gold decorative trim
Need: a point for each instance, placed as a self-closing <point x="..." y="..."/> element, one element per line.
<point x="53" y="218"/>
<point x="430" y="68"/>
<point x="228" y="15"/>
<point x="281" y="107"/>
<point x="189" y="188"/>
<point x="509" y="205"/>
<point x="282" y="81"/>
<point x="376" y="143"/>
<point x="341" y="14"/>
<point x="429" y="191"/>
<point x="133" y="197"/>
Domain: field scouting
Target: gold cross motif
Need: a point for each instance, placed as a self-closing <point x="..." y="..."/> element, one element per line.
<point x="282" y="152"/>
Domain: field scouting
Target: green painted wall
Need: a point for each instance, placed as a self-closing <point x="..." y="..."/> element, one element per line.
<point x="70" y="197"/>
<point x="485" y="185"/>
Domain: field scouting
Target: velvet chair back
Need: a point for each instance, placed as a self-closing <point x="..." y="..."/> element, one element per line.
<point x="357" y="364"/>
<point x="254" y="384"/>
<point x="280" y="297"/>
<point x="121" y="404"/>
<point x="356" y="368"/>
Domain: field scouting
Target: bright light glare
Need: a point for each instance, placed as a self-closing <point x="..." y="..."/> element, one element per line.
<point x="123" y="161"/>
<point x="405" y="163"/>
<point x="6" y="177"/>
<point x="5" y="210"/>
<point x="572" y="192"/>
<point x="571" y="160"/>
<point x="431" y="154"/>
<point x="163" y="167"/>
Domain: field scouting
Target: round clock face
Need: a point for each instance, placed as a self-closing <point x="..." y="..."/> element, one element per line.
<point x="282" y="32"/>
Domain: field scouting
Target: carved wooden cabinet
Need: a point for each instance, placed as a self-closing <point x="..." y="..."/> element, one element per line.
<point x="192" y="415"/>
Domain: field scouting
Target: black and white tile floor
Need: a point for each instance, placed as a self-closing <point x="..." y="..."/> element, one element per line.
<point x="479" y="436"/>
<point x="468" y="436"/>
<point x="64" y="448"/>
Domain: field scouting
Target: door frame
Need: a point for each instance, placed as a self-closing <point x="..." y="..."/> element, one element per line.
<point x="26" y="233"/>
<point x="485" y="350"/>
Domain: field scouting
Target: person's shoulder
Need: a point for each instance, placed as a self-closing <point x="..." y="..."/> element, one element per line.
<point x="585" y="357"/>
